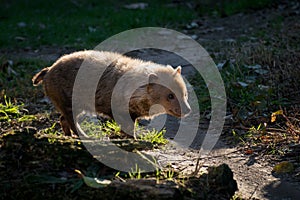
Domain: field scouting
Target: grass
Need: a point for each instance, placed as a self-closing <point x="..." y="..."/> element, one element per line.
<point x="275" y="138"/>
<point x="251" y="102"/>
<point x="201" y="91"/>
<point x="8" y="110"/>
<point x="230" y="7"/>
<point x="254" y="95"/>
<point x="98" y="129"/>
<point x="52" y="133"/>
<point x="16" y="75"/>
<point x="168" y="173"/>
<point x="153" y="136"/>
<point x="135" y="173"/>
<point x="13" y="110"/>
<point x="248" y="94"/>
<point x="84" y="24"/>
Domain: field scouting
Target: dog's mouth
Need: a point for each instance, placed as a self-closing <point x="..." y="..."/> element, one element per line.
<point x="178" y="114"/>
<point x="175" y="114"/>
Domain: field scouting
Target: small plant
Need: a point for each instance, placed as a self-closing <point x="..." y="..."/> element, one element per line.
<point x="237" y="137"/>
<point x="111" y="126"/>
<point x="170" y="173"/>
<point x="165" y="174"/>
<point x="92" y="128"/>
<point x="257" y="130"/>
<point x="157" y="174"/>
<point x="52" y="133"/>
<point x="26" y="118"/>
<point x="272" y="148"/>
<point x="97" y="129"/>
<point x="236" y="197"/>
<point x="135" y="173"/>
<point x="8" y="110"/>
<point x="154" y="136"/>
<point x="253" y="136"/>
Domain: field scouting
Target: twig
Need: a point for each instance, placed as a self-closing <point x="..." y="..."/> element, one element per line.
<point x="198" y="167"/>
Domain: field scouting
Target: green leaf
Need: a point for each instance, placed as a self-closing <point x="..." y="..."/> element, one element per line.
<point x="94" y="182"/>
<point x="27" y="118"/>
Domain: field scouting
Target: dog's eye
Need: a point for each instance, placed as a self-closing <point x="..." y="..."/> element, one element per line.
<point x="171" y="96"/>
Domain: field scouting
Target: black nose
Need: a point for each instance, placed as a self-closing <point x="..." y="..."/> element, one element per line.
<point x="186" y="109"/>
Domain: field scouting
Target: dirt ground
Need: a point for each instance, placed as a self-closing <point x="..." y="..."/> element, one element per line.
<point x="246" y="36"/>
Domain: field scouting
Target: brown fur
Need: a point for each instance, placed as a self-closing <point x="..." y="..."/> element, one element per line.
<point x="58" y="81"/>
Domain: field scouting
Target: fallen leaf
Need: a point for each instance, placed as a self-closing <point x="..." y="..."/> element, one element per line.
<point x="19" y="38"/>
<point x="224" y="65"/>
<point x="263" y="87"/>
<point x="253" y="66"/>
<point x="249" y="152"/>
<point x="92" y="29"/>
<point x="250" y="79"/>
<point x="135" y="6"/>
<point x="22" y="24"/>
<point x="243" y="84"/>
<point x="93" y="182"/>
<point x="261" y="71"/>
<point x="192" y="25"/>
<point x="274" y="115"/>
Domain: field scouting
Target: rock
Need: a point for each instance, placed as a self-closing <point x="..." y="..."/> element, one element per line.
<point x="218" y="183"/>
<point x="146" y="189"/>
<point x="221" y="180"/>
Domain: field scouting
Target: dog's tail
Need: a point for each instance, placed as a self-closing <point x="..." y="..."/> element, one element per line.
<point x="38" y="78"/>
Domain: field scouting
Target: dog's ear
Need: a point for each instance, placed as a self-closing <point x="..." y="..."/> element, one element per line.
<point x="38" y="78"/>
<point x="152" y="78"/>
<point x="178" y="70"/>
